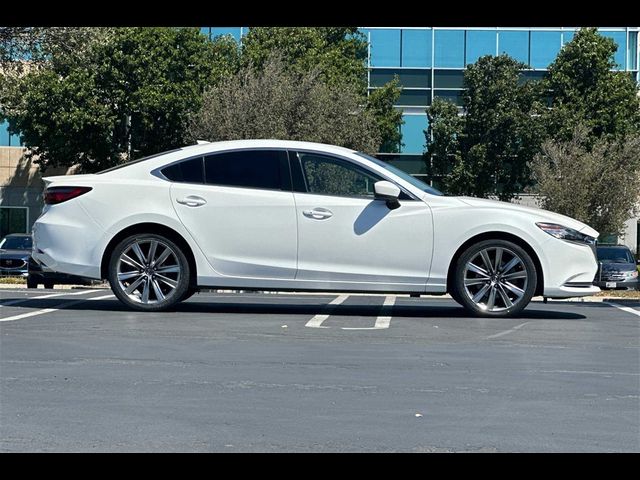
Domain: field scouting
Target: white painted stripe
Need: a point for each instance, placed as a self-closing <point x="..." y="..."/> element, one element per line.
<point x="381" y="322"/>
<point x="507" y="332"/>
<point x="624" y="309"/>
<point x="54" y="309"/>
<point x="316" y="321"/>
<point x="49" y="295"/>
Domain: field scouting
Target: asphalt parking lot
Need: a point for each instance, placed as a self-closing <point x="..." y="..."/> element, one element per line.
<point x="314" y="373"/>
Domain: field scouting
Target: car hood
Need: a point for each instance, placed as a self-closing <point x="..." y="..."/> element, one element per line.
<point x="539" y="214"/>
<point x="618" y="267"/>
<point x="14" y="253"/>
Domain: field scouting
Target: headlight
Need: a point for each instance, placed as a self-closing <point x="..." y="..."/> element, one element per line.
<point x="631" y="274"/>
<point x="566" y="233"/>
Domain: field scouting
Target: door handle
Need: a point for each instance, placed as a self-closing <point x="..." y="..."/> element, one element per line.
<point x="318" y="213"/>
<point x="191" y="201"/>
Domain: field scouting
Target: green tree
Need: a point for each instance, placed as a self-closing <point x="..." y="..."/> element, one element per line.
<point x="129" y="96"/>
<point x="486" y="151"/>
<point x="339" y="56"/>
<point x="584" y="90"/>
<point x="595" y="180"/>
<point x="273" y="101"/>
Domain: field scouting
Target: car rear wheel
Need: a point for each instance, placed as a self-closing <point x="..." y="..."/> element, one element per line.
<point x="495" y="278"/>
<point x="48" y="285"/>
<point x="148" y="272"/>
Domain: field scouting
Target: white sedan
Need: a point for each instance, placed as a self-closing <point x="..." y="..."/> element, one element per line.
<point x="297" y="216"/>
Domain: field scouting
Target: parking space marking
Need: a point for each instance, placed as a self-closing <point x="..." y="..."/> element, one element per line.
<point x="316" y="321"/>
<point x="382" y="322"/>
<point x="624" y="309"/>
<point x="49" y="295"/>
<point x="53" y="309"/>
<point x="507" y="332"/>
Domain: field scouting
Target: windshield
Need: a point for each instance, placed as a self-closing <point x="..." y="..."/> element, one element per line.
<point x="614" y="255"/>
<point x="16" y="243"/>
<point x="402" y="174"/>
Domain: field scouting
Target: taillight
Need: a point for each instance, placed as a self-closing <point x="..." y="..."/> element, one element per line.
<point x="55" y="195"/>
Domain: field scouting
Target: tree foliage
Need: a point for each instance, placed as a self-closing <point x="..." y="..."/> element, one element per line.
<point x="130" y="95"/>
<point x="584" y="90"/>
<point x="273" y="101"/>
<point x="595" y="180"/>
<point x="338" y="56"/>
<point x="486" y="151"/>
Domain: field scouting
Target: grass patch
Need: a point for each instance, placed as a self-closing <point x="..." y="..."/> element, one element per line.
<point x="13" y="280"/>
<point x="635" y="294"/>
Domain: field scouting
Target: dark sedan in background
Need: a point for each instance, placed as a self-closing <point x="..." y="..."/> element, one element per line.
<point x="617" y="268"/>
<point x="16" y="261"/>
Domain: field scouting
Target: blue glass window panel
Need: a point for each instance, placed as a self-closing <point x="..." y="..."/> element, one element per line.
<point x="567" y="37"/>
<point x="621" y="41"/>
<point x="385" y="47"/>
<point x="413" y="133"/>
<point x="480" y="43"/>
<point x="4" y="134"/>
<point x="449" y="48"/>
<point x="632" y="62"/>
<point x="515" y="44"/>
<point x="416" y="48"/>
<point x="14" y="141"/>
<point x="544" y="48"/>
<point x="233" y="31"/>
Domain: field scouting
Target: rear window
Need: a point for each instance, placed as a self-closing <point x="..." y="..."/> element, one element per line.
<point x="265" y="169"/>
<point x="188" y="171"/>
<point x="133" y="162"/>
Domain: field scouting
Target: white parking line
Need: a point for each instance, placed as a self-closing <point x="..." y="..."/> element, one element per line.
<point x="624" y="309"/>
<point x="507" y="332"/>
<point x="49" y="295"/>
<point x="49" y="310"/>
<point x="316" y="321"/>
<point x="381" y="322"/>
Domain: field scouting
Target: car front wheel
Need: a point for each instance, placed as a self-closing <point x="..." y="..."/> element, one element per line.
<point x="495" y="278"/>
<point x="148" y="272"/>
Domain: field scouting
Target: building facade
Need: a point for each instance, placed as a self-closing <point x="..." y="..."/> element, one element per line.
<point x="429" y="62"/>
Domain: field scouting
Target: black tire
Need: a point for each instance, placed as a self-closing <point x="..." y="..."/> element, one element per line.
<point x="518" y="291"/>
<point x="48" y="285"/>
<point x="32" y="282"/>
<point x="171" y="295"/>
<point x="191" y="291"/>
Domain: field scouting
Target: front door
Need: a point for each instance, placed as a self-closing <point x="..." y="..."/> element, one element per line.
<point x="346" y="236"/>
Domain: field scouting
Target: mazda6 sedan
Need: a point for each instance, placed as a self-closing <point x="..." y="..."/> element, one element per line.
<point x="296" y="216"/>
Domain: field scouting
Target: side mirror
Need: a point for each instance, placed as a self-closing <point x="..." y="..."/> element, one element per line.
<point x="388" y="192"/>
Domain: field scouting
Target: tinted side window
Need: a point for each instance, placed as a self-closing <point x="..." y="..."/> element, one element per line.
<point x="267" y="169"/>
<point x="189" y="171"/>
<point x="331" y="176"/>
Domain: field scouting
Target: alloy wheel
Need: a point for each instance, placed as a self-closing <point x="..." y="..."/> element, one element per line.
<point x="148" y="271"/>
<point x="495" y="279"/>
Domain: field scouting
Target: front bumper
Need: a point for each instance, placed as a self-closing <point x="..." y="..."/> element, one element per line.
<point x="13" y="272"/>
<point x="630" y="284"/>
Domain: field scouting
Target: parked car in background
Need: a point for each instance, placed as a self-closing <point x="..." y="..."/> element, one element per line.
<point x="16" y="261"/>
<point x="15" y="253"/>
<point x="285" y="215"/>
<point x="617" y="268"/>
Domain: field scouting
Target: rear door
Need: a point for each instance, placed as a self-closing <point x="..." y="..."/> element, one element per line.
<point x="241" y="213"/>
